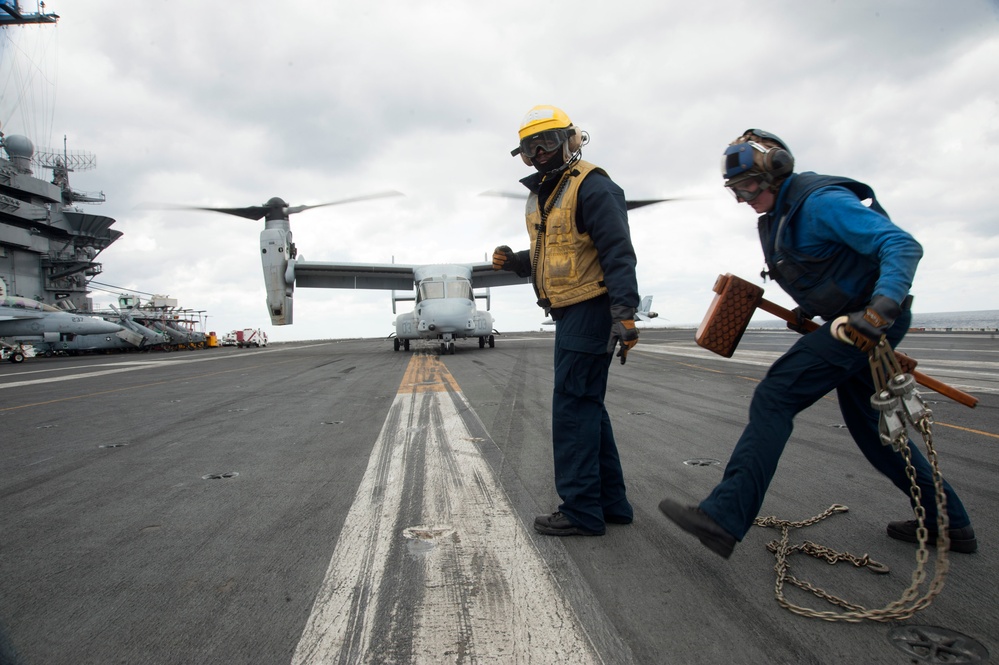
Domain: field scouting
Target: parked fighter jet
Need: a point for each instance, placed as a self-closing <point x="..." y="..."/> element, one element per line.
<point x="88" y="344"/>
<point x="27" y="320"/>
<point x="133" y="336"/>
<point x="161" y="322"/>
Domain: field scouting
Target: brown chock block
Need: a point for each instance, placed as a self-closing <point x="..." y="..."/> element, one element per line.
<point x="728" y="316"/>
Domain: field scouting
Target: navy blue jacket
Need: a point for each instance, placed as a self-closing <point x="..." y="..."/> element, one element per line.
<point x="829" y="251"/>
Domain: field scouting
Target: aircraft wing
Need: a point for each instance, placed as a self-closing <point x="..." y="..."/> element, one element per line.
<point x="484" y="276"/>
<point x="323" y="275"/>
<point x="386" y="276"/>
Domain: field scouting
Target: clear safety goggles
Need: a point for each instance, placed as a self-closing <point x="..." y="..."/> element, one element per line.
<point x="546" y="141"/>
<point x="746" y="189"/>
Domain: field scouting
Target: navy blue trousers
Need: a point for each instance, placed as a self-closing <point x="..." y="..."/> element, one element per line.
<point x="588" y="475"/>
<point x="816" y="364"/>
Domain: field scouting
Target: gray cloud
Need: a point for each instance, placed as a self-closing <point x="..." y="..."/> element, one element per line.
<point x="230" y="103"/>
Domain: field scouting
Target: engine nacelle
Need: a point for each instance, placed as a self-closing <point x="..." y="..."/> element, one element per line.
<point x="407" y="326"/>
<point x="483" y="324"/>
<point x="275" y="253"/>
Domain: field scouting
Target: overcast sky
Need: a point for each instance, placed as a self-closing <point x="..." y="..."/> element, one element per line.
<point x="229" y="103"/>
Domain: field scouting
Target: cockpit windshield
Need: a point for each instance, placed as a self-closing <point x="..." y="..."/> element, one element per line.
<point x="459" y="288"/>
<point x="452" y="288"/>
<point x="431" y="290"/>
<point x="27" y="303"/>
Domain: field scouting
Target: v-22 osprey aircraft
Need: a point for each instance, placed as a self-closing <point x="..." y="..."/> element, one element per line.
<point x="444" y="295"/>
<point x="444" y="308"/>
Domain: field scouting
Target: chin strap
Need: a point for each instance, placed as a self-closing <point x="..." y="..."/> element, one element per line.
<point x="575" y="157"/>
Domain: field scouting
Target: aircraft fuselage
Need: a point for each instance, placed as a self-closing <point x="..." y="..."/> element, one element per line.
<point x="22" y="318"/>
<point x="445" y="308"/>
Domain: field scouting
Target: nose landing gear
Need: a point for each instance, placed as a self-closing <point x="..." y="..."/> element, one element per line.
<point x="447" y="348"/>
<point x="447" y="344"/>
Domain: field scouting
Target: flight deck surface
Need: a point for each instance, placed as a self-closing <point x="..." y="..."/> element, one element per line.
<point x="337" y="501"/>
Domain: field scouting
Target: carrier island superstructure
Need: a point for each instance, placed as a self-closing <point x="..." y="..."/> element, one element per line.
<point x="48" y="244"/>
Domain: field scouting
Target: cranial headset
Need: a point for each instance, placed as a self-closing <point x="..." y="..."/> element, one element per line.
<point x="746" y="157"/>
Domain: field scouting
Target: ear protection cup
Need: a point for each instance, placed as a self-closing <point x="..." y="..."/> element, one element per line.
<point x="778" y="162"/>
<point x="575" y="139"/>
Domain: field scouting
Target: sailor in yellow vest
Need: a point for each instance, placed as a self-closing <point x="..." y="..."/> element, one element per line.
<point x="582" y="264"/>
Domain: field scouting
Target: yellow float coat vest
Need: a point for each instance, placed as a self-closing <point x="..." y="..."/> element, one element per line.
<point x="565" y="266"/>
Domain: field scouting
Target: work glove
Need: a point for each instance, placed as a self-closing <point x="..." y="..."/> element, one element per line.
<point x="622" y="330"/>
<point x="798" y="324"/>
<point x="866" y="328"/>
<point x="502" y="256"/>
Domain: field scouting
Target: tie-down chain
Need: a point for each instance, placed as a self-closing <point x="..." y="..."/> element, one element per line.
<point x="899" y="406"/>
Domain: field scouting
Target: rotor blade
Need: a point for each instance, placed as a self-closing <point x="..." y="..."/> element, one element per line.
<point x="631" y="204"/>
<point x="252" y="212"/>
<point x="505" y="195"/>
<point x="365" y="197"/>
<point x="646" y="202"/>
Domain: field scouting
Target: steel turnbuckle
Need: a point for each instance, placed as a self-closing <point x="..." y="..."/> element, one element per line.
<point x="895" y="398"/>
<point x="903" y="386"/>
<point x="891" y="423"/>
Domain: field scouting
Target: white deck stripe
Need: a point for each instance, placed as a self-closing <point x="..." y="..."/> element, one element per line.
<point x="486" y="594"/>
<point x="135" y="365"/>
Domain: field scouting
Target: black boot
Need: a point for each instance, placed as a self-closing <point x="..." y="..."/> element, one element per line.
<point x="693" y="520"/>
<point x="961" y="540"/>
<point x="558" y="524"/>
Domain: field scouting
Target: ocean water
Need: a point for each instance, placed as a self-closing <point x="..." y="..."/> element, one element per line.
<point x="986" y="319"/>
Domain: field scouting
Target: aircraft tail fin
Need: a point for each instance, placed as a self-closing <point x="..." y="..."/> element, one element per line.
<point x="645" y="312"/>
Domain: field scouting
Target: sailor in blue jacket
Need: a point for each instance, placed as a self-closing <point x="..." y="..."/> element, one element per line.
<point x="835" y="257"/>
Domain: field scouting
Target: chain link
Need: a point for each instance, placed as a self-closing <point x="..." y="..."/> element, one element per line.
<point x="898" y="402"/>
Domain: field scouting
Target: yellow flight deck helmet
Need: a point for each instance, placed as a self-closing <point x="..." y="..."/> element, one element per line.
<point x="541" y="118"/>
<point x="546" y="128"/>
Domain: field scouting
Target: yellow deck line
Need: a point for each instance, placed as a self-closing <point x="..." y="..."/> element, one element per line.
<point x="426" y="373"/>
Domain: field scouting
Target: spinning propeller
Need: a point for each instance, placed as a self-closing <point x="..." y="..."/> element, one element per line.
<point x="278" y="255"/>
<point x="277" y="208"/>
<point x="631" y="204"/>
